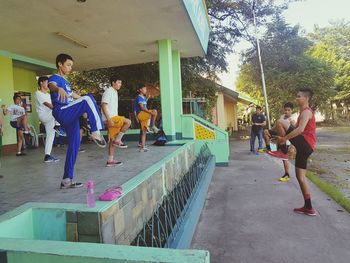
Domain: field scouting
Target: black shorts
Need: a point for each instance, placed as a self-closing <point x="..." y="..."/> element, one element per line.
<point x="303" y="148"/>
<point x="14" y="124"/>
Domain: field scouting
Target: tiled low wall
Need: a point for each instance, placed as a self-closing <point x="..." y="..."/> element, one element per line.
<point x="37" y="232"/>
<point x="120" y="221"/>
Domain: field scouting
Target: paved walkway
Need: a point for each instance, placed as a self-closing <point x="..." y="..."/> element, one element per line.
<point x="28" y="179"/>
<point x="248" y="217"/>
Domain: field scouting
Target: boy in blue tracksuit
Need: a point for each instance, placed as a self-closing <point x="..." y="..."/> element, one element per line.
<point x="68" y="107"/>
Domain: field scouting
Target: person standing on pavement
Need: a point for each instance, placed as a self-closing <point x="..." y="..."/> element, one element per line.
<point x="258" y="122"/>
<point x="44" y="109"/>
<point x="303" y="137"/>
<point x="68" y="107"/>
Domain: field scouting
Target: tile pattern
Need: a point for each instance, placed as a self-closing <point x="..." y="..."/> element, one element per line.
<point x="123" y="220"/>
<point x="137" y="206"/>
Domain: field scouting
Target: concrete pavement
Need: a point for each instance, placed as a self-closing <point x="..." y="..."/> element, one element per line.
<point x="248" y="216"/>
<point x="29" y="179"/>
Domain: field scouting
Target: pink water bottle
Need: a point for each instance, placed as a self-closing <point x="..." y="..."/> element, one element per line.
<point x="90" y="195"/>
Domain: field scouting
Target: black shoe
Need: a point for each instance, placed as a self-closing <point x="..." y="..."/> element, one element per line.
<point x="50" y="159"/>
<point x="71" y="184"/>
<point x="21" y="154"/>
<point x="286" y="175"/>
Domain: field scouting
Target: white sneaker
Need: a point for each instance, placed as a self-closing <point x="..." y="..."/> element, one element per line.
<point x="155" y="129"/>
<point x="120" y="144"/>
<point x="98" y="139"/>
<point x="144" y="149"/>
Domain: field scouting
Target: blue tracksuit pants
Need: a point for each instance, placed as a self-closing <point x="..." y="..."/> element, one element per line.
<point x="68" y="116"/>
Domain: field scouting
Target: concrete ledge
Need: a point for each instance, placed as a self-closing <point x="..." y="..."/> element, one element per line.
<point x="223" y="164"/>
<point x="19" y="251"/>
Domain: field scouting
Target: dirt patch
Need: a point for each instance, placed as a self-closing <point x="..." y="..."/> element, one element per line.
<point x="331" y="159"/>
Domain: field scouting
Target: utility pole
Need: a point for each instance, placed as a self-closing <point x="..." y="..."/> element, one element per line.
<point x="261" y="65"/>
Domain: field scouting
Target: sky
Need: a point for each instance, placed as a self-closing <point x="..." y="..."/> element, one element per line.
<point x="306" y="13"/>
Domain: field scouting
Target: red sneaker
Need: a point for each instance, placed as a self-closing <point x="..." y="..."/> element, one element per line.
<point x="306" y="211"/>
<point x="279" y="155"/>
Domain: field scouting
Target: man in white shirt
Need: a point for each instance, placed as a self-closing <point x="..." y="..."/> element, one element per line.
<point x="117" y="125"/>
<point x="18" y="120"/>
<point x="44" y="108"/>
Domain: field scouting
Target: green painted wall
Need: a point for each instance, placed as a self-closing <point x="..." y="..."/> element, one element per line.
<point x="6" y="94"/>
<point x="177" y="89"/>
<point x="36" y="251"/>
<point x="13" y="79"/>
<point x="49" y="224"/>
<point x="197" y="12"/>
<point x="25" y="80"/>
<point x="166" y="86"/>
<point x="20" y="226"/>
<point x="28" y="60"/>
<point x="219" y="147"/>
<point x="187" y="127"/>
<point x="36" y="223"/>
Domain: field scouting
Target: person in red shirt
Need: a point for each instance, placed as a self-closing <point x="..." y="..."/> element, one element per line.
<point x="303" y="137"/>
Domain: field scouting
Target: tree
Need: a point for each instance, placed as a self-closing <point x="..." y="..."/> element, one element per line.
<point x="287" y="66"/>
<point x="332" y="46"/>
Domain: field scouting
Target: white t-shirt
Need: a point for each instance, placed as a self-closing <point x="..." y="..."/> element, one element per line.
<point x="40" y="98"/>
<point x="15" y="111"/>
<point x="110" y="97"/>
<point x="292" y="119"/>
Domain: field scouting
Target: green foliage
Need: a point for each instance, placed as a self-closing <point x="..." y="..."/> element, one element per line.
<point x="332" y="46"/>
<point x="287" y="68"/>
<point x="330" y="190"/>
<point x="132" y="75"/>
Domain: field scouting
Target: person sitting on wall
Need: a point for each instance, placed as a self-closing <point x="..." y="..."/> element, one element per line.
<point x="18" y="120"/>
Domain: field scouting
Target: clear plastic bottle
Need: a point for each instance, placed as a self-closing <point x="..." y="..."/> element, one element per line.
<point x="90" y="195"/>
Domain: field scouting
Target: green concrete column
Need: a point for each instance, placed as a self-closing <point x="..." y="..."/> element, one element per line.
<point x="166" y="87"/>
<point x="177" y="91"/>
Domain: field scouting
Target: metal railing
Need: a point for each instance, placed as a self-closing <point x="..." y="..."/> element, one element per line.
<point x="161" y="229"/>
